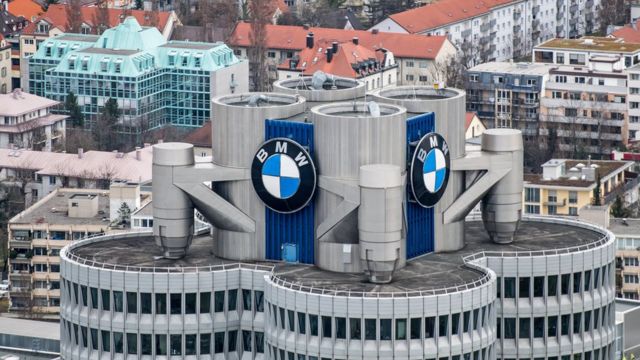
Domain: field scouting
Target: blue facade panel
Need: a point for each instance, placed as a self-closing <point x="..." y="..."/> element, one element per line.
<point x="420" y="220"/>
<point x="296" y="228"/>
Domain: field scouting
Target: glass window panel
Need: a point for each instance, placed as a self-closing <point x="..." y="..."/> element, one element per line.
<point x="259" y="342"/>
<point x="190" y="341"/>
<point x="232" y="340"/>
<point x="94" y="299"/>
<point x="205" y="343"/>
<point x="525" y="328"/>
<point x="370" y="329"/>
<point x="577" y="322"/>
<point x="218" y="305"/>
<point x="538" y="327"/>
<point x="132" y="344"/>
<point x="106" y="340"/>
<point x="161" y="305"/>
<point x="564" y="284"/>
<point x="246" y="299"/>
<point x="132" y="303"/>
<point x="401" y="329"/>
<point x="509" y="287"/>
<point x="218" y="342"/>
<point x="442" y="325"/>
<point x="466" y="318"/>
<point x="313" y="325"/>
<point x="341" y="328"/>
<point x="146" y="345"/>
<point x="118" y="305"/>
<point x="538" y="286"/>
<point x="190" y="304"/>
<point x="385" y="329"/>
<point x="326" y="327"/>
<point x="291" y="322"/>
<point x="552" y="285"/>
<point x="145" y="306"/>
<point x="233" y="300"/>
<point x="509" y="328"/>
<point x="246" y="340"/>
<point x="106" y="306"/>
<point x="94" y="337"/>
<point x="118" y="342"/>
<point x="175" y="342"/>
<point x="205" y="302"/>
<point x="302" y="323"/>
<point x="524" y="287"/>
<point x="564" y="324"/>
<point x="355" y="331"/>
<point x="176" y="306"/>
<point x="577" y="277"/>
<point x="455" y="324"/>
<point x="552" y="326"/>
<point x="416" y="327"/>
<point x="259" y="295"/>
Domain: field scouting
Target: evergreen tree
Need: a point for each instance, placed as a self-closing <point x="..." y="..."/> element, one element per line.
<point x="139" y="4"/>
<point x="618" y="209"/>
<point x="596" y="192"/>
<point x="104" y="129"/>
<point x="75" y="113"/>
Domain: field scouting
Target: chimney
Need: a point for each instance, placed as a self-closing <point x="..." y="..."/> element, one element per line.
<point x="329" y="53"/>
<point x="80" y="153"/>
<point x="355" y="40"/>
<point x="374" y="31"/>
<point x="138" y="153"/>
<point x="334" y="47"/>
<point x="147" y="144"/>
<point x="310" y="40"/>
<point x="160" y="141"/>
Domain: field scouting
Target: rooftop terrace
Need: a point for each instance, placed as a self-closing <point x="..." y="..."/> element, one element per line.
<point x="435" y="273"/>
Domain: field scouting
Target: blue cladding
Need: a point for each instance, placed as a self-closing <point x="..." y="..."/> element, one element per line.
<point x="420" y="220"/>
<point x="296" y="228"/>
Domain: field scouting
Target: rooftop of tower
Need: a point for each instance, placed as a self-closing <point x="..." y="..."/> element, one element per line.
<point x="435" y="272"/>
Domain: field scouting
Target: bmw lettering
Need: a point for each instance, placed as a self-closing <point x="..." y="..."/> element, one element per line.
<point x="430" y="169"/>
<point x="283" y="175"/>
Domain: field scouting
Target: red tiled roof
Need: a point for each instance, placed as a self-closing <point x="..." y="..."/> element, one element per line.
<point x="294" y="38"/>
<point x="312" y="60"/>
<point x="56" y="16"/>
<point x="439" y="13"/>
<point x="200" y="137"/>
<point x="628" y="33"/>
<point x="28" y="9"/>
<point x="468" y="119"/>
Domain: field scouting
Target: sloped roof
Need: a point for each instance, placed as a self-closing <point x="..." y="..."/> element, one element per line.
<point x="200" y="137"/>
<point x="629" y="33"/>
<point x="28" y="9"/>
<point x="294" y="38"/>
<point x="18" y="103"/>
<point x="443" y="12"/>
<point x="56" y="16"/>
<point x="469" y="119"/>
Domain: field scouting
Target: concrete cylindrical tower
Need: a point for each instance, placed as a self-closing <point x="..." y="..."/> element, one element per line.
<point x="340" y="89"/>
<point x="502" y="205"/>
<point x="348" y="136"/>
<point x="449" y="106"/>
<point x="380" y="220"/>
<point x="237" y="132"/>
<point x="173" y="210"/>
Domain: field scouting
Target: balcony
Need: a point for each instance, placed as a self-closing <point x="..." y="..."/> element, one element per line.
<point x="573" y="10"/>
<point x="535" y="9"/>
<point x="552" y="201"/>
<point x="560" y="15"/>
<point x="20" y="244"/>
<point x="535" y="23"/>
<point x="516" y="15"/>
<point x="621" y="189"/>
<point x="484" y="40"/>
<point x="485" y="27"/>
<point x="516" y="29"/>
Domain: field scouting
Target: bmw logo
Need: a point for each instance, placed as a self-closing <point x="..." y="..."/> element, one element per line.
<point x="283" y="175"/>
<point x="430" y="169"/>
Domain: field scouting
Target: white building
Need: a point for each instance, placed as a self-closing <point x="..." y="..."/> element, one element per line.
<point x="26" y="121"/>
<point x="633" y="102"/>
<point x="496" y="30"/>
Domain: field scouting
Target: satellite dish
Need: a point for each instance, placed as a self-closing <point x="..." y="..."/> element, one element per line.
<point x="255" y="100"/>
<point x="319" y="78"/>
<point x="374" y="108"/>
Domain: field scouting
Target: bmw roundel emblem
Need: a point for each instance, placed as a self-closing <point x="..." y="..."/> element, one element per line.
<point x="283" y="175"/>
<point x="430" y="169"/>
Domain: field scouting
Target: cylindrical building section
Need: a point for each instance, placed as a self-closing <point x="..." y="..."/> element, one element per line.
<point x="380" y="220"/>
<point x="237" y="132"/>
<point x="334" y="89"/>
<point x="449" y="106"/>
<point x="173" y="210"/>
<point x="347" y="136"/>
<point x="502" y="205"/>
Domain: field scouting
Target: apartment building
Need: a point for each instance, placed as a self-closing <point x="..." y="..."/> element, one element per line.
<point x="627" y="233"/>
<point x="507" y="94"/>
<point x="37" y="234"/>
<point x="567" y="186"/>
<point x="633" y="102"/>
<point x="584" y="110"/>
<point x="496" y="30"/>
<point x="580" y="52"/>
<point x="418" y="58"/>
<point x="348" y="59"/>
<point x="26" y="121"/>
<point x="54" y="22"/>
<point x="43" y="172"/>
<point x="5" y="65"/>
<point x="10" y="28"/>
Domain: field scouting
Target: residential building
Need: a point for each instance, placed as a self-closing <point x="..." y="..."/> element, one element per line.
<point x="154" y="81"/>
<point x="473" y="127"/>
<point x="28" y="9"/>
<point x="580" y="52"/>
<point x="633" y="102"/>
<point x="142" y="218"/>
<point x="584" y="110"/>
<point x="627" y="323"/>
<point x="629" y="33"/>
<point x="26" y="122"/>
<point x="496" y="30"/>
<point x="627" y="232"/>
<point x="419" y="58"/>
<point x="10" y="28"/>
<point x="5" y="65"/>
<point x="37" y="235"/>
<point x="567" y="186"/>
<point x="507" y="94"/>
<point x="374" y="67"/>
<point x="54" y="22"/>
<point x="200" y="138"/>
<point x="43" y="172"/>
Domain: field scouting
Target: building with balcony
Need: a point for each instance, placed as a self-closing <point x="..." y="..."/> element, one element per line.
<point x="627" y="233"/>
<point x="584" y="110"/>
<point x="580" y="52"/>
<point x="154" y="81"/>
<point x="37" y="234"/>
<point x="633" y="102"/>
<point x="567" y="186"/>
<point x="26" y="121"/>
<point x="5" y="65"/>
<point x="507" y="94"/>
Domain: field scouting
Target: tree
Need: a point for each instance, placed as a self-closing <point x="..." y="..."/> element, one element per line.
<point x="74" y="16"/>
<point x="101" y="17"/>
<point x="124" y="215"/>
<point x="221" y="14"/>
<point x="612" y="12"/>
<point x="259" y="15"/>
<point x="377" y="10"/>
<point x="597" y="195"/>
<point x="105" y="126"/>
<point x="49" y="3"/>
<point x="75" y="112"/>
<point x="138" y="4"/>
<point x="618" y="209"/>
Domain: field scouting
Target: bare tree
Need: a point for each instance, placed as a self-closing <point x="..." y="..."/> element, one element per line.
<point x="101" y="16"/>
<point x="74" y="16"/>
<point x="219" y="13"/>
<point x="612" y="12"/>
<point x="259" y="16"/>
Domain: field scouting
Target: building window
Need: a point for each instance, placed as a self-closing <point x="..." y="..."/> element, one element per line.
<point x="416" y="325"/>
<point x="442" y="325"/>
<point x="552" y="285"/>
<point x="531" y="194"/>
<point x="313" y="325"/>
<point x="509" y="328"/>
<point x="232" y="298"/>
<point x="577" y="278"/>
<point x="175" y="343"/>
<point x="577" y="322"/>
<point x="556" y="95"/>
<point x="524" y="287"/>
<point x="538" y="286"/>
<point x="409" y="77"/>
<point x="509" y="287"/>
<point x="118" y="301"/>
<point x="552" y="210"/>
<point x="341" y="328"/>
<point x="176" y="304"/>
<point x="190" y="304"/>
<point x="573" y="211"/>
<point x="532" y="209"/>
<point x="525" y="328"/>
<point x="409" y="63"/>
<point x="561" y="79"/>
<point x="161" y="304"/>
<point x="429" y="327"/>
<point x="205" y="302"/>
<point x="145" y="304"/>
<point x="118" y="342"/>
<point x="132" y="303"/>
<point x="161" y="345"/>
<point x="104" y="294"/>
<point x="370" y="329"/>
<point x="326" y="327"/>
<point x="246" y="299"/>
<point x="132" y="344"/>
<point x="218" y="342"/>
<point x="401" y="329"/>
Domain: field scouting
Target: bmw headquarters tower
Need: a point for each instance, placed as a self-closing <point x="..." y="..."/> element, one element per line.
<point x="342" y="228"/>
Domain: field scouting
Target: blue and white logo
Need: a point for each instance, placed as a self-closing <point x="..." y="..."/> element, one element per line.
<point x="280" y="176"/>
<point x="430" y="169"/>
<point x="283" y="175"/>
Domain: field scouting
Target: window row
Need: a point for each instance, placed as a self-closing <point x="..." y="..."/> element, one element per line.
<point x="553" y="285"/>
<point x="162" y="303"/>
<point x="281" y="354"/>
<point x="380" y="329"/>
<point x="164" y="344"/>
<point x="564" y="325"/>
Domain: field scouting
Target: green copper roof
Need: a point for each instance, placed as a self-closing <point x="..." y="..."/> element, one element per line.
<point x="132" y="50"/>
